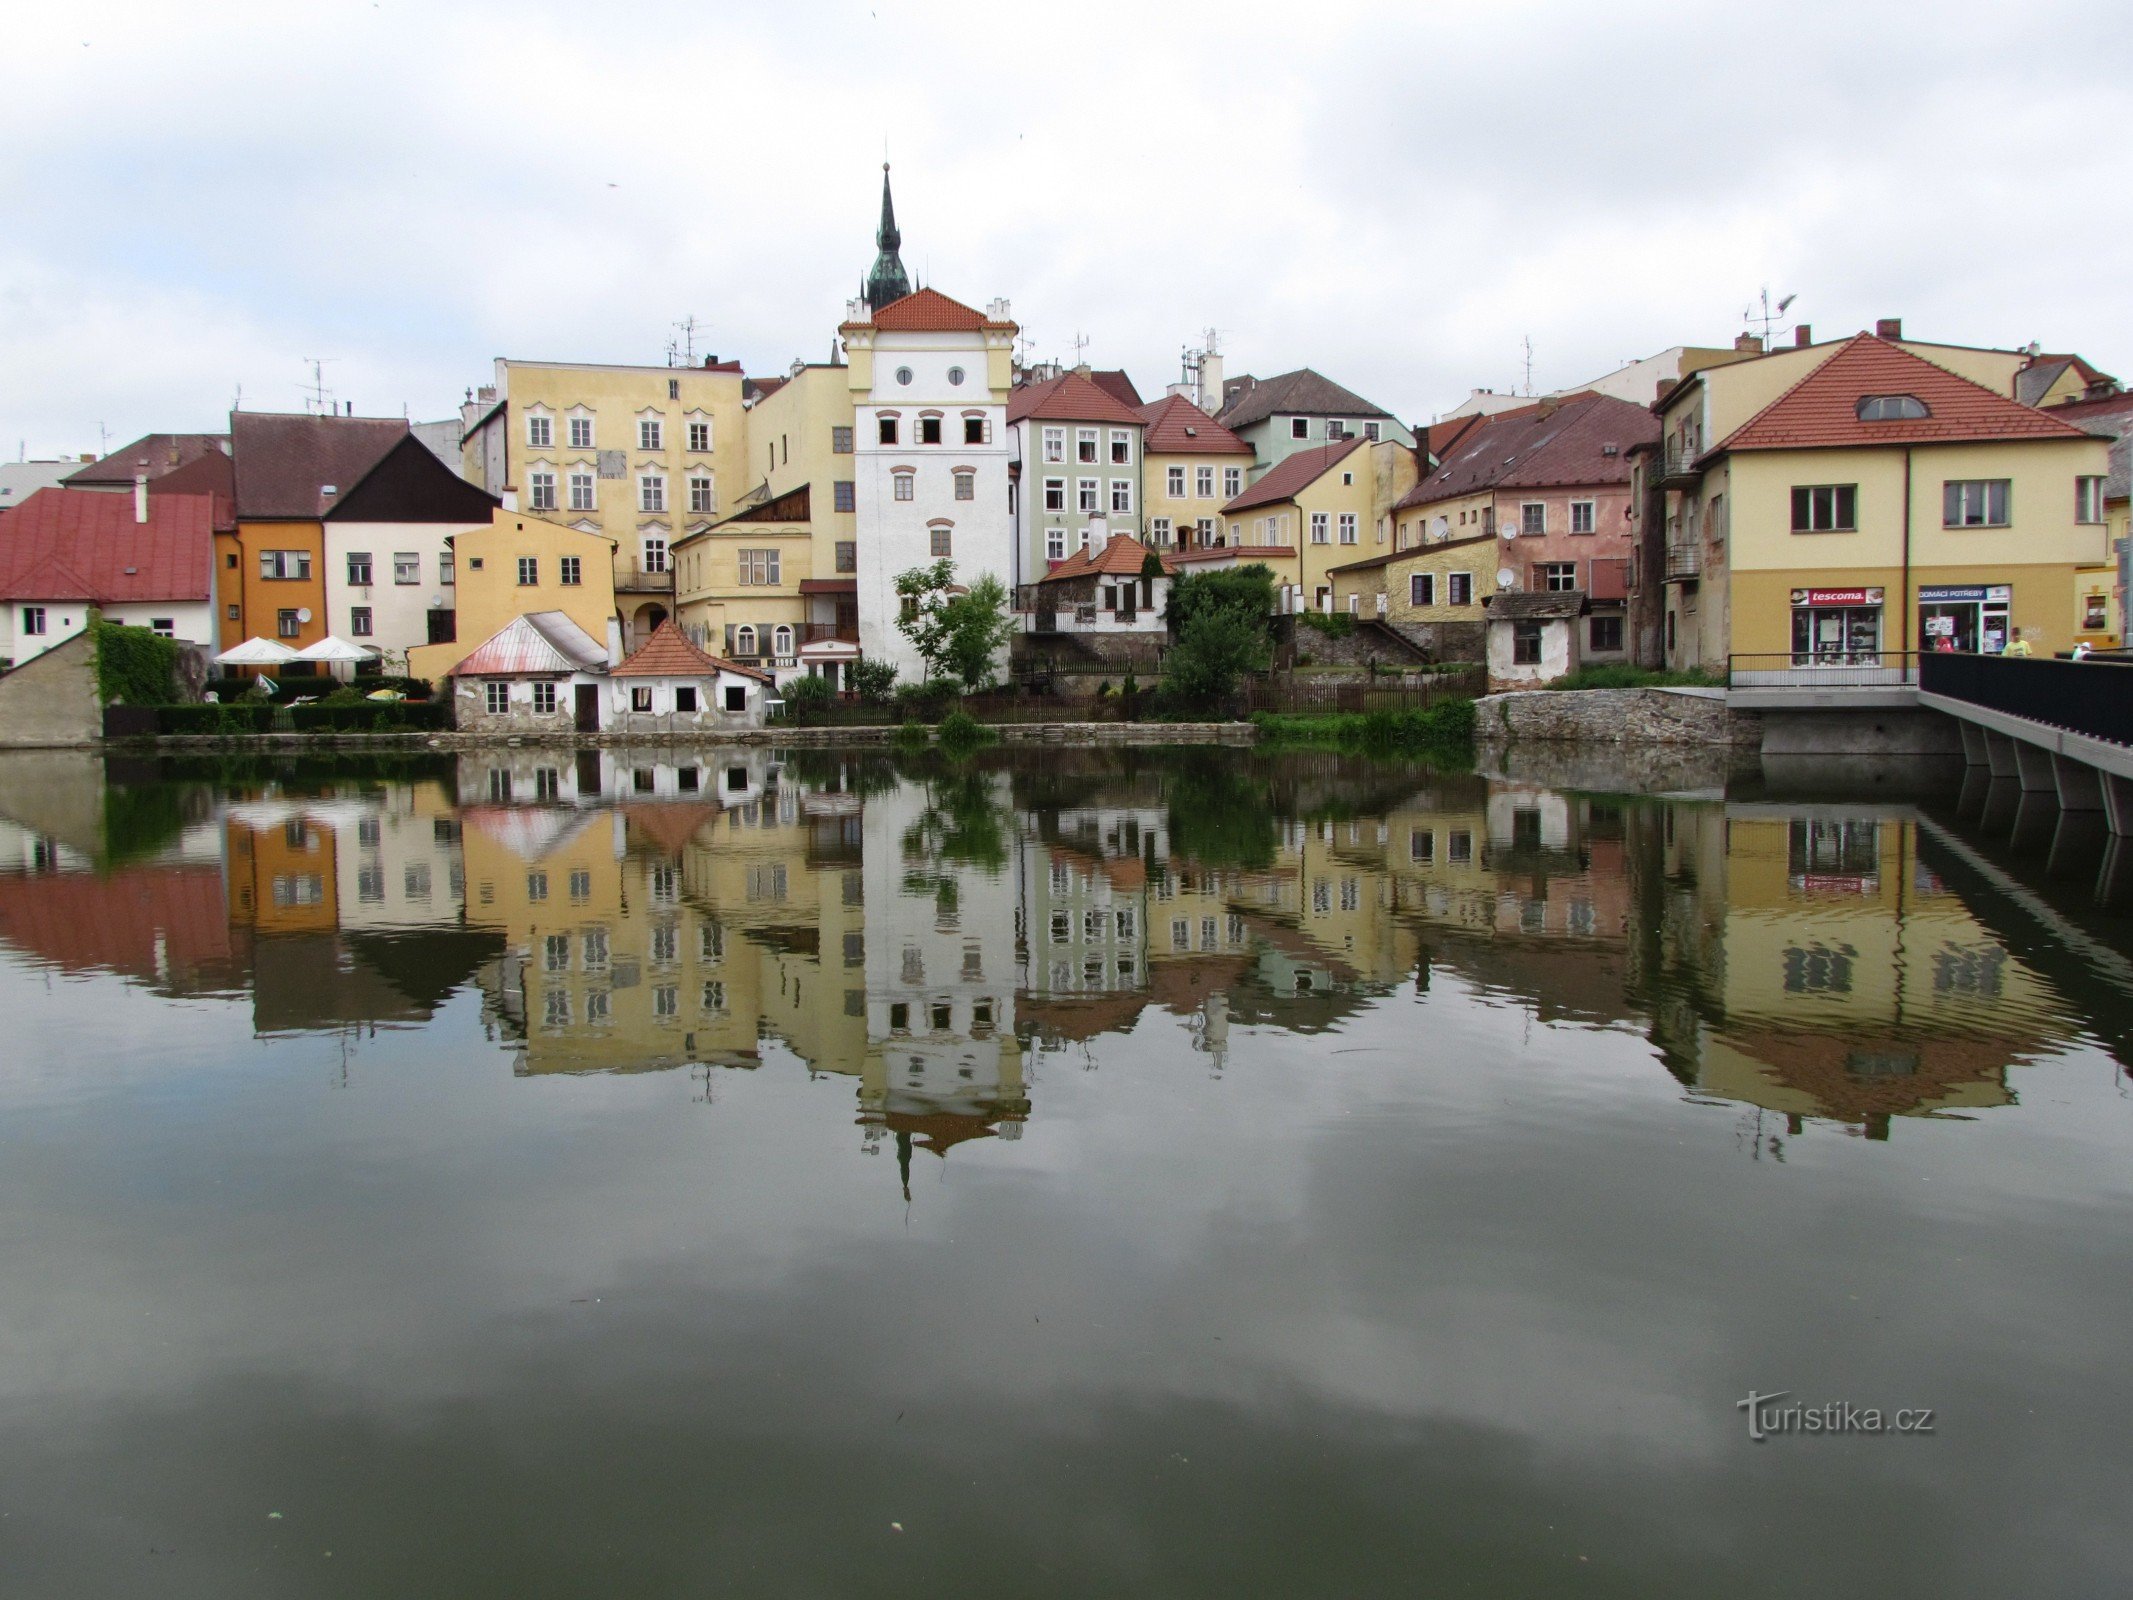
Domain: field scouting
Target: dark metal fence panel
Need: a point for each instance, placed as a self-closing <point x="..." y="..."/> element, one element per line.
<point x="1865" y="669"/>
<point x="2088" y="697"/>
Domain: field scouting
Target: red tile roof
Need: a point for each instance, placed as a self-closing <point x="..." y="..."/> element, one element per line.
<point x="1542" y="446"/>
<point x="930" y="311"/>
<point x="668" y="654"/>
<point x="1177" y="427"/>
<point x="213" y="473"/>
<point x="1124" y="556"/>
<point x="1286" y="479"/>
<point x="1821" y="410"/>
<point x="1114" y="382"/>
<point x="284" y="463"/>
<point x="1069" y="398"/>
<point x="83" y="544"/>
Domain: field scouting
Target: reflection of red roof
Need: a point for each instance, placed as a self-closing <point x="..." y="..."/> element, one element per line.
<point x="1124" y="557"/>
<point x="668" y="654"/>
<point x="1177" y="427"/>
<point x="1289" y="478"/>
<point x="672" y="825"/>
<point x="84" y="544"/>
<point x="930" y="311"/>
<point x="1821" y="410"/>
<point x="83" y="923"/>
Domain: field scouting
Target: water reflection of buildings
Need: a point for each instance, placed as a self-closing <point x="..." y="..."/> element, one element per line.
<point x="935" y="935"/>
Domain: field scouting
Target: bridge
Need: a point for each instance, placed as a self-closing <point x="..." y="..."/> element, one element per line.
<point x="2062" y="729"/>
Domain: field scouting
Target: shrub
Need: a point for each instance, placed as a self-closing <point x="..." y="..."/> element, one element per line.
<point x="923" y="702"/>
<point x="961" y="731"/>
<point x="1337" y="625"/>
<point x="912" y="734"/>
<point x="807" y="699"/>
<point x="873" y="681"/>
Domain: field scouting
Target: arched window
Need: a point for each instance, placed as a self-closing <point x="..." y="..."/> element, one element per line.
<point x="744" y="639"/>
<point x="781" y="640"/>
<point x="1891" y="408"/>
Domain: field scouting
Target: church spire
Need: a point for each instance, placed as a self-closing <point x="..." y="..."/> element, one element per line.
<point x="887" y="282"/>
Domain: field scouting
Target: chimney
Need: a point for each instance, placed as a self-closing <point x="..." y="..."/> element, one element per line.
<point x="614" y="641"/>
<point x="140" y="491"/>
<point x="1748" y="344"/>
<point x="1210" y="398"/>
<point x="1548" y="404"/>
<point x="1889" y="328"/>
<point x="1802" y="337"/>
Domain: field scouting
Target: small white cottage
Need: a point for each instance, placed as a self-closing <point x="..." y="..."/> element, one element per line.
<point x="1532" y="638"/>
<point x="539" y="673"/>
<point x="669" y="686"/>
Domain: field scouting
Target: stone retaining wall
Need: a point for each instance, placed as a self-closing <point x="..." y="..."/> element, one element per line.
<point x="1091" y="734"/>
<point x="1614" y="716"/>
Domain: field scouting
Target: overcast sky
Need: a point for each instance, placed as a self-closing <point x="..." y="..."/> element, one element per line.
<point x="200" y="198"/>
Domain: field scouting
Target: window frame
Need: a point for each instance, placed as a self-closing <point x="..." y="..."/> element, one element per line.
<point x="1843" y="507"/>
<point x="1589" y="511"/>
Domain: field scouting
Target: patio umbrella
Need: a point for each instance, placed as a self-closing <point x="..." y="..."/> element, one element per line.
<point x="333" y="653"/>
<point x="255" y="652"/>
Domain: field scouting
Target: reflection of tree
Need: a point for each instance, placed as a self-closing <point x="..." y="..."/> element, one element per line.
<point x="1221" y="813"/>
<point x="864" y="773"/>
<point x="963" y="823"/>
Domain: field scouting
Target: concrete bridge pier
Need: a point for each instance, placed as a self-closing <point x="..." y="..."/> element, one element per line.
<point x="1974" y="750"/>
<point x="2114" y="879"/>
<point x="2080" y="785"/>
<point x="2117" y="802"/>
<point x="2077" y="844"/>
<point x="1999" y="753"/>
<point x="2033" y="766"/>
<point x="1997" y="815"/>
<point x="2036" y="820"/>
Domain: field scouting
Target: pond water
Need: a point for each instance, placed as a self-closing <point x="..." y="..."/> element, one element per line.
<point x="1189" y="1173"/>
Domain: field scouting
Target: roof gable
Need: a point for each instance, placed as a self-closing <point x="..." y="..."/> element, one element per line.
<point x="541" y="642"/>
<point x="1177" y="427"/>
<point x="1122" y="557"/>
<point x="1821" y="410"/>
<point x="153" y="453"/>
<point x="1070" y="397"/>
<point x="409" y="484"/>
<point x="1293" y="475"/>
<point x="794" y="505"/>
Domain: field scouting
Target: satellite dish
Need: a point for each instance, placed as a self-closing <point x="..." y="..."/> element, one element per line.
<point x="303" y="614"/>
<point x="1510" y="530"/>
<point x="1505" y="577"/>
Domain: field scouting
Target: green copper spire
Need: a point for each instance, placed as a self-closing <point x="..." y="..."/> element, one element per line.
<point x="887" y="281"/>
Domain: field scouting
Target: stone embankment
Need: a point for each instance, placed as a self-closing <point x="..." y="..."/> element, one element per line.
<point x="1078" y="734"/>
<point x="1614" y="716"/>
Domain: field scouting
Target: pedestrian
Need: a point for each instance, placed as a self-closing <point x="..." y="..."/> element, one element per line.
<point x="2020" y="646"/>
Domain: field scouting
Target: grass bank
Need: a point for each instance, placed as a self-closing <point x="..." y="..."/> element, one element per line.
<point x="1446" y="728"/>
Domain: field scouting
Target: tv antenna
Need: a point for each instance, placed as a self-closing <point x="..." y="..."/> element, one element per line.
<point x="681" y="349"/>
<point x="1769" y="316"/>
<point x="318" y="399"/>
<point x="1529" y="363"/>
<point x="1081" y="343"/>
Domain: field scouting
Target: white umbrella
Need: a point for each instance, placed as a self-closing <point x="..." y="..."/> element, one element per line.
<point x="256" y="652"/>
<point x="332" y="649"/>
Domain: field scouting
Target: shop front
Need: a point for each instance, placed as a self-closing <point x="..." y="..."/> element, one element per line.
<point x="1969" y="617"/>
<point x="1836" y="627"/>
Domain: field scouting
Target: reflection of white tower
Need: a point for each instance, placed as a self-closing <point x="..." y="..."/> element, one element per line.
<point x="943" y="1062"/>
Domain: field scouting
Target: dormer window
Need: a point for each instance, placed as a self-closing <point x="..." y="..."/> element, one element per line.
<point x="1891" y="408"/>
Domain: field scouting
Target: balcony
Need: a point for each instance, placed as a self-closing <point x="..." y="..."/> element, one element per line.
<point x="827" y="632"/>
<point x="633" y="578"/>
<point x="1677" y="466"/>
<point x="1683" y="561"/>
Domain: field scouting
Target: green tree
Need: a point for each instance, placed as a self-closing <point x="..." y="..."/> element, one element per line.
<point x="873" y="680"/>
<point x="956" y="632"/>
<point x="1220" y="631"/>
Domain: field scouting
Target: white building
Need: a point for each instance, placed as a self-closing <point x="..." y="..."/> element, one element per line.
<point x="930" y="382"/>
<point x="143" y="560"/>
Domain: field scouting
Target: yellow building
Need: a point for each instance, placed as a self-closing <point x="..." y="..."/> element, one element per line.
<point x="1191" y="466"/>
<point x="1833" y="504"/>
<point x="516" y="565"/>
<point x="1315" y="510"/>
<point x="1433" y="592"/>
<point x="738" y="583"/>
<point x="640" y="454"/>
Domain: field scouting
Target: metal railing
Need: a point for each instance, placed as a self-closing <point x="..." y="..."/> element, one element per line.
<point x="2094" y="697"/>
<point x="1677" y="465"/>
<point x="1683" y="561"/>
<point x="633" y="577"/>
<point x="1832" y="669"/>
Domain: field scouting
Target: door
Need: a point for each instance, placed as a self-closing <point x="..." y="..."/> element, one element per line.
<point x="848" y="618"/>
<point x="588" y="708"/>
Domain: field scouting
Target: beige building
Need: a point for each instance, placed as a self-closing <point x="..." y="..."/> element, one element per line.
<point x="1319" y="508"/>
<point x="643" y="455"/>
<point x="1191" y="467"/>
